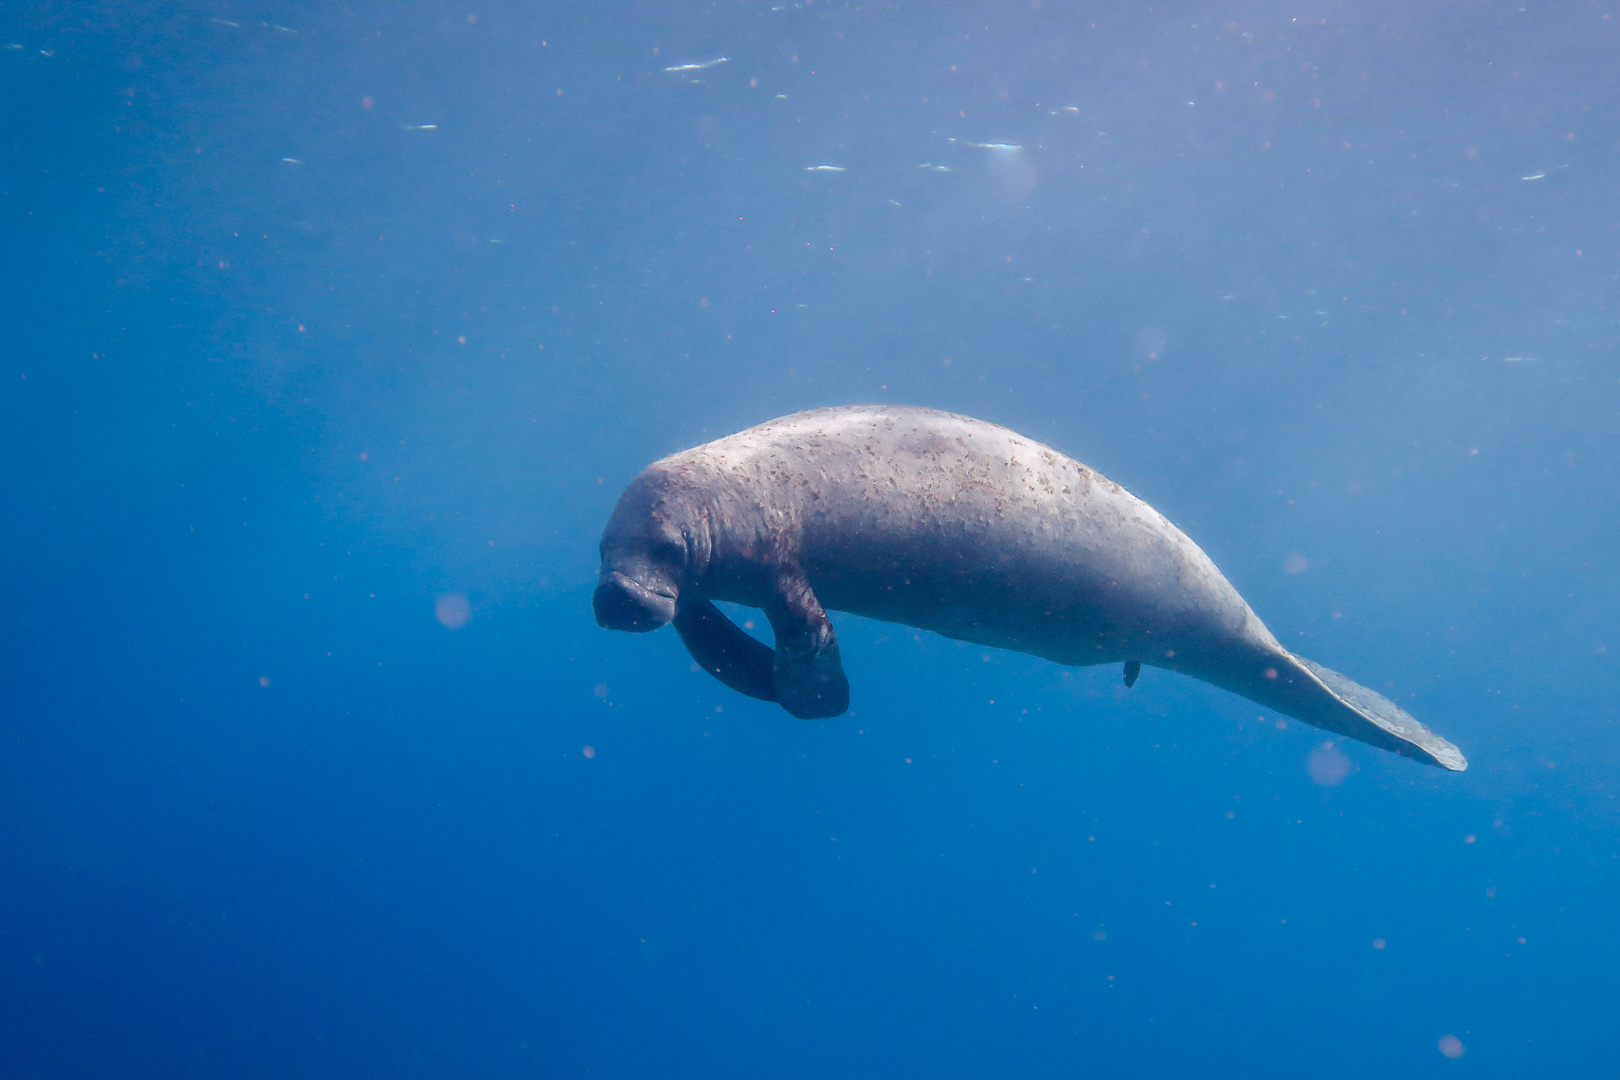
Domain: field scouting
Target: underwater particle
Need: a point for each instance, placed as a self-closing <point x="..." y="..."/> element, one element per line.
<point x="1151" y="342"/>
<point x="264" y="680"/>
<point x="453" y="610"/>
<point x="589" y="751"/>
<point x="677" y="68"/>
<point x="1378" y="943"/>
<point x="1451" y="1046"/>
<point x="1295" y="563"/>
<point x="1328" y="765"/>
<point x="601" y="689"/>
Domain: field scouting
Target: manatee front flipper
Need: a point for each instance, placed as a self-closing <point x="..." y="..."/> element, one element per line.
<point x="1351" y="709"/>
<point x="724" y="650"/>
<point x="808" y="674"/>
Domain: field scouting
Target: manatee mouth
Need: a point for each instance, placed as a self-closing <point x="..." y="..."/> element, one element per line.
<point x="624" y="604"/>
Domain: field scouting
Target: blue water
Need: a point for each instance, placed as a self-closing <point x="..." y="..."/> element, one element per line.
<point x="316" y="316"/>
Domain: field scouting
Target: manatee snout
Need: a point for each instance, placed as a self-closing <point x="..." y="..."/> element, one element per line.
<point x="622" y="603"/>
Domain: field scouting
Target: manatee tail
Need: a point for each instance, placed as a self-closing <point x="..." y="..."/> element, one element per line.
<point x="1348" y="708"/>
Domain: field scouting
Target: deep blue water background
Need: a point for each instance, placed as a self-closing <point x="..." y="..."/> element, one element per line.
<point x="1331" y="285"/>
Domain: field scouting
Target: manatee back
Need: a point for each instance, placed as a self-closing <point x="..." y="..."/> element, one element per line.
<point x="966" y="528"/>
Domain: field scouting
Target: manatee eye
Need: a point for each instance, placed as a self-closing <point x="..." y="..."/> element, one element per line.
<point x="667" y="551"/>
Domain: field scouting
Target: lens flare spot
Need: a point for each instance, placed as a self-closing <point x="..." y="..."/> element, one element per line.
<point x="1328" y="765"/>
<point x="453" y="610"/>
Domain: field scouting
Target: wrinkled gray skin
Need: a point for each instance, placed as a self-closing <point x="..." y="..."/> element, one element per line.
<point x="953" y="525"/>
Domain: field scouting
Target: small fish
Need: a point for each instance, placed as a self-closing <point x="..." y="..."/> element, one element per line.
<point x="293" y="160"/>
<point x="824" y="168"/>
<point x="1537" y="176"/>
<point x="699" y="67"/>
<point x="419" y="127"/>
<point x="225" y="22"/>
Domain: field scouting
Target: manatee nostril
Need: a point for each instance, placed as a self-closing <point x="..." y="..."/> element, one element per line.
<point x="623" y="604"/>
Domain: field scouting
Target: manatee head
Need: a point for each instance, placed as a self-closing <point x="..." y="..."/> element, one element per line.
<point x="646" y="557"/>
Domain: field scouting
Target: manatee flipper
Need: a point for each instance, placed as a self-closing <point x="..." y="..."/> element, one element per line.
<point x="724" y="650"/>
<point x="1133" y="669"/>
<point x="808" y="674"/>
<point x="1349" y="708"/>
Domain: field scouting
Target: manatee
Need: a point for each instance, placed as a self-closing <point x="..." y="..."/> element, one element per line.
<point x="953" y="525"/>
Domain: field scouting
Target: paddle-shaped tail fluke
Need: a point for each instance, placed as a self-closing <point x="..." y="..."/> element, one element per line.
<point x="1371" y="717"/>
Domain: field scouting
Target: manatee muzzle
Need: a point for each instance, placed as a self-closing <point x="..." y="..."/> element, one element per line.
<point x="622" y="603"/>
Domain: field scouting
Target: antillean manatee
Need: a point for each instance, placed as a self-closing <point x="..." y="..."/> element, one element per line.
<point x="948" y="524"/>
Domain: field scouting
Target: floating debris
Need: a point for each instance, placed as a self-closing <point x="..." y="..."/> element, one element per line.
<point x="1001" y="146"/>
<point x="699" y="67"/>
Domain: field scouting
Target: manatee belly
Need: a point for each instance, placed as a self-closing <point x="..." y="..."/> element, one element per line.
<point x="1035" y="585"/>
